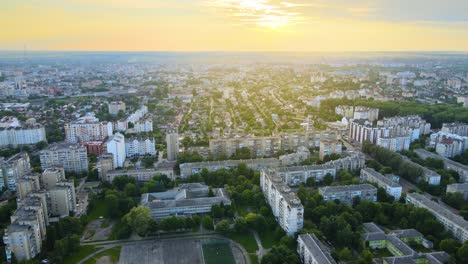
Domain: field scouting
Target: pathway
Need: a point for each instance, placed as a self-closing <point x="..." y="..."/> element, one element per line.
<point x="261" y="251"/>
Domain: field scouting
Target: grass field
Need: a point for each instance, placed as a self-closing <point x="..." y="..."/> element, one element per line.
<point x="268" y="238"/>
<point x="215" y="253"/>
<point x="82" y="252"/>
<point x="98" y="210"/>
<point x="253" y="259"/>
<point x="113" y="253"/>
<point x="247" y="240"/>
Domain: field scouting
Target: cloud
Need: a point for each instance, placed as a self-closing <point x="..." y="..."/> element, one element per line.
<point x="260" y="13"/>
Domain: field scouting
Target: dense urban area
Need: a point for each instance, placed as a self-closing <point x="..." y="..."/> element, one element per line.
<point x="223" y="158"/>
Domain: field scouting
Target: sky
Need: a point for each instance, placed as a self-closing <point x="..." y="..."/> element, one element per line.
<point x="234" y="25"/>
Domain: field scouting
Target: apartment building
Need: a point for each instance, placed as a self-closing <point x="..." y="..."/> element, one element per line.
<point x="188" y="169"/>
<point x="13" y="168"/>
<point x="430" y="176"/>
<point x="87" y="128"/>
<point x="347" y="193"/>
<point x="293" y="176"/>
<point x="104" y="164"/>
<point x="298" y="157"/>
<point x="452" y="222"/>
<point x="72" y="157"/>
<point x="140" y="175"/>
<point x="448" y="145"/>
<point x="60" y="192"/>
<point x="414" y="122"/>
<point x="459" y="188"/>
<point x="284" y="203"/>
<point x="115" y="107"/>
<point x="27" y="184"/>
<point x="358" y="112"/>
<point x="351" y="161"/>
<point x="115" y="145"/>
<point x="268" y="146"/>
<point x="391" y="187"/>
<point x="328" y="147"/>
<point x="140" y="147"/>
<point x="185" y="200"/>
<point x="312" y="251"/>
<point x="13" y="133"/>
<point x="460" y="129"/>
<point x="448" y="163"/>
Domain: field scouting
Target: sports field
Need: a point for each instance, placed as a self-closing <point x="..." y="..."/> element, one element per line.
<point x="218" y="252"/>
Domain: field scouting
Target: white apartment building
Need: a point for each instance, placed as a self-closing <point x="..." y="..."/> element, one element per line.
<point x="312" y="251"/>
<point x="87" y="128"/>
<point x="460" y="129"/>
<point x="284" y="203"/>
<point x="448" y="145"/>
<point x="14" y="133"/>
<point x="12" y="169"/>
<point x="459" y="188"/>
<point x="20" y="240"/>
<point x="392" y="188"/>
<point x="452" y="222"/>
<point x="140" y="147"/>
<point x="72" y="157"/>
<point x="395" y="143"/>
<point x="115" y="145"/>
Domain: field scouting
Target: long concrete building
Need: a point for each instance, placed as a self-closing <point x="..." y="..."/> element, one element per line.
<point x="448" y="163"/>
<point x="452" y="222"/>
<point x="185" y="200"/>
<point x="346" y="193"/>
<point x="188" y="169"/>
<point x="391" y="187"/>
<point x="139" y="175"/>
<point x="312" y="251"/>
<point x="72" y="157"/>
<point x="284" y="203"/>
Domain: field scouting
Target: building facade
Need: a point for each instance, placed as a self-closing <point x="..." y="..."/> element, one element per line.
<point x="87" y="128"/>
<point x="71" y="157"/>
<point x="391" y="187"/>
<point x="284" y="203"/>
<point x="172" y="141"/>
<point x="12" y="169"/>
<point x="115" y="145"/>
<point x="312" y="251"/>
<point x="347" y="193"/>
<point x="140" y="147"/>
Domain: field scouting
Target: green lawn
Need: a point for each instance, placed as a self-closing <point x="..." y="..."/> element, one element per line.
<point x="247" y="240"/>
<point x="215" y="253"/>
<point x="113" y="253"/>
<point x="98" y="210"/>
<point x="82" y="252"/>
<point x="253" y="258"/>
<point x="268" y="238"/>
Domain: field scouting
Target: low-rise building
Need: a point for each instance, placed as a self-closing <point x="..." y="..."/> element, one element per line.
<point x="284" y="203"/>
<point x="185" y="200"/>
<point x="391" y="187"/>
<point x="312" y="251"/>
<point x="430" y="176"/>
<point x="347" y="193"/>
<point x="452" y="222"/>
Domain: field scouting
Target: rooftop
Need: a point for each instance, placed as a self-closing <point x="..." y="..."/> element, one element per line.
<point x="317" y="249"/>
<point x="347" y="188"/>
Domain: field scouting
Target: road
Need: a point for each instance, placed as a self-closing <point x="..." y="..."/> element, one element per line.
<point x="81" y="199"/>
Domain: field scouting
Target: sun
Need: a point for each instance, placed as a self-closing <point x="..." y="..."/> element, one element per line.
<point x="272" y="21"/>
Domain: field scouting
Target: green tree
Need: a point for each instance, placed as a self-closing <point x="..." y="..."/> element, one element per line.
<point x="138" y="219"/>
<point x="223" y="226"/>
<point x="207" y="222"/>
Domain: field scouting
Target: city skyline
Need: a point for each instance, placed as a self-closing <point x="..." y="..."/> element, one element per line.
<point x="234" y="25"/>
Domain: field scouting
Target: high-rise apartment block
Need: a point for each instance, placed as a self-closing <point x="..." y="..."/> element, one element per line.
<point x="72" y="157"/>
<point x="460" y="129"/>
<point x="140" y="147"/>
<point x="105" y="163"/>
<point x="448" y="145"/>
<point x="284" y="203"/>
<point x="312" y="251"/>
<point x="172" y="141"/>
<point x="87" y="128"/>
<point x="115" y="145"/>
<point x="13" y="168"/>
